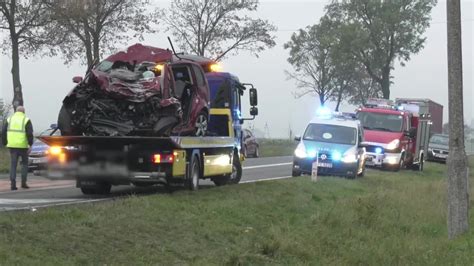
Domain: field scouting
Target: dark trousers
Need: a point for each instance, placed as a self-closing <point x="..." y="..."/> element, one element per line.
<point x="15" y="154"/>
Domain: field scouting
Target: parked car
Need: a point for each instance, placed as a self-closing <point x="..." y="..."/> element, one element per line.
<point x="438" y="148"/>
<point x="250" y="144"/>
<point x="37" y="159"/>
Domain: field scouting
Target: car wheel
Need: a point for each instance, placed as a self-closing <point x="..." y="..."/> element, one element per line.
<point x="257" y="152"/>
<point x="193" y="174"/>
<point x="295" y="173"/>
<point x="245" y="152"/>
<point x="234" y="177"/>
<point x="64" y="123"/>
<point x="200" y="127"/>
<point x="98" y="189"/>
<point x="236" y="170"/>
<point x="362" y="173"/>
<point x="420" y="166"/>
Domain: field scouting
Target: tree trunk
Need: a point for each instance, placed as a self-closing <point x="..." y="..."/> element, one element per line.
<point x="339" y="98"/>
<point x="322" y="101"/>
<point x="458" y="188"/>
<point x="17" y="90"/>
<point x="96" y="47"/>
<point x="386" y="82"/>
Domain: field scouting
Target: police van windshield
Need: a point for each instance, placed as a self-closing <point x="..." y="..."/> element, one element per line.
<point x="331" y="134"/>
<point x="381" y="122"/>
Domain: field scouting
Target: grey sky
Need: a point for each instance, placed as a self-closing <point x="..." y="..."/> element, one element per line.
<point x="46" y="80"/>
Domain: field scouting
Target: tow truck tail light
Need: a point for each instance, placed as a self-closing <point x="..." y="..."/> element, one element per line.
<point x="163" y="158"/>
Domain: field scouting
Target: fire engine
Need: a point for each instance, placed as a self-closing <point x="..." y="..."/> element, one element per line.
<point x="396" y="135"/>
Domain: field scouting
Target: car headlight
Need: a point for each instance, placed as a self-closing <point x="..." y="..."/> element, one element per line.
<point x="300" y="153"/>
<point x="349" y="158"/>
<point x="393" y="144"/>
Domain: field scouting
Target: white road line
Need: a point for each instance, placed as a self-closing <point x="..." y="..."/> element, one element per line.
<point x="33" y="201"/>
<point x="53" y="205"/>
<point x="265" y="166"/>
<point x="264" y="179"/>
<point x="36" y="189"/>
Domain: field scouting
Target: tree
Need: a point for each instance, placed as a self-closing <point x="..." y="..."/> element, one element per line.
<point x="89" y="28"/>
<point x="310" y="57"/>
<point x="215" y="28"/>
<point x="5" y="109"/>
<point x="26" y="23"/>
<point x="379" y="32"/>
<point x="458" y="188"/>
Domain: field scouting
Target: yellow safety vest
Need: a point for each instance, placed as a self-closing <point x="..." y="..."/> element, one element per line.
<point x="16" y="132"/>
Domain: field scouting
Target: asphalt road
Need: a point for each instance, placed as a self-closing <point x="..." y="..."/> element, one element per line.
<point x="47" y="193"/>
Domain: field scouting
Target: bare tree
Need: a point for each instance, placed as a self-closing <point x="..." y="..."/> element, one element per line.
<point x="310" y="57"/>
<point x="215" y="28"/>
<point x="26" y="23"/>
<point x="88" y="28"/>
<point x="458" y="188"/>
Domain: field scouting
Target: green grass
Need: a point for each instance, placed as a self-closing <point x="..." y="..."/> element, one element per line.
<point x="4" y="160"/>
<point x="276" y="147"/>
<point x="383" y="219"/>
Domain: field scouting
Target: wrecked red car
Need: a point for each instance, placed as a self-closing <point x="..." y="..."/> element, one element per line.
<point x="143" y="91"/>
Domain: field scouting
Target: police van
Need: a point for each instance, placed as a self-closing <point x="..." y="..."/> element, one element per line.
<point x="335" y="142"/>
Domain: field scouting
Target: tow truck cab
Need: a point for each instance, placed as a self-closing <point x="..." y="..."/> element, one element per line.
<point x="395" y="137"/>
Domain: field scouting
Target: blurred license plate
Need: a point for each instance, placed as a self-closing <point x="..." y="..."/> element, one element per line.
<point x="443" y="156"/>
<point x="325" y="165"/>
<point x="40" y="160"/>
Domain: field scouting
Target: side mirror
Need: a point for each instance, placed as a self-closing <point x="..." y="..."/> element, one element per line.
<point x="297" y="138"/>
<point x="254" y="111"/>
<point x="77" y="79"/>
<point x="53" y="126"/>
<point x="253" y="97"/>
<point x="410" y="133"/>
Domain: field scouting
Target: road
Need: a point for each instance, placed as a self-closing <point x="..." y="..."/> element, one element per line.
<point x="47" y="193"/>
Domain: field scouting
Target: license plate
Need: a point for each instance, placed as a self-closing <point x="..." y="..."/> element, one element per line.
<point x="40" y="160"/>
<point x="443" y="156"/>
<point x="325" y="165"/>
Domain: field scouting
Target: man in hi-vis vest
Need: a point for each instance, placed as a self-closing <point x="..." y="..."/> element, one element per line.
<point x="17" y="135"/>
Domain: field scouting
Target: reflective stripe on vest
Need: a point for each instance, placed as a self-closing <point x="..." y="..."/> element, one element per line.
<point x="16" y="131"/>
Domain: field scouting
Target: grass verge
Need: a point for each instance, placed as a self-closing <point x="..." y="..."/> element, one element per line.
<point x="384" y="218"/>
<point x="276" y="147"/>
<point x="4" y="160"/>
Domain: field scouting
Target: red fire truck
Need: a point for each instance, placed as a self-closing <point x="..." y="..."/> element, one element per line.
<point x="396" y="135"/>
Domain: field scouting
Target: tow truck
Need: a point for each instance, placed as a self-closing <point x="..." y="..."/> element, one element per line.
<point x="97" y="163"/>
<point x="396" y="135"/>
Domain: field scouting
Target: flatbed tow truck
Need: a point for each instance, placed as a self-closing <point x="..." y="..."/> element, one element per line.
<point x="99" y="162"/>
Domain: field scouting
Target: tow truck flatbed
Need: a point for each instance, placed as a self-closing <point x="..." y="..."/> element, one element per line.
<point x="98" y="162"/>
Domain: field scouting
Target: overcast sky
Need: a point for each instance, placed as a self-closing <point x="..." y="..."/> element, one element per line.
<point x="46" y="80"/>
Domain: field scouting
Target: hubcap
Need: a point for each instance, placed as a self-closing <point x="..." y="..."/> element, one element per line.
<point x="201" y="125"/>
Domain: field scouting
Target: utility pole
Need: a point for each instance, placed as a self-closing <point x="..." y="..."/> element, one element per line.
<point x="458" y="190"/>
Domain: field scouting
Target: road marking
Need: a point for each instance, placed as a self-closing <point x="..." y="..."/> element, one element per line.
<point x="33" y="201"/>
<point x="265" y="166"/>
<point x="265" y="179"/>
<point x="36" y="189"/>
<point x="33" y="208"/>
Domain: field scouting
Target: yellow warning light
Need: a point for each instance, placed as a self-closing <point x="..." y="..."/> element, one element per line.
<point x="215" y="67"/>
<point x="159" y="67"/>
